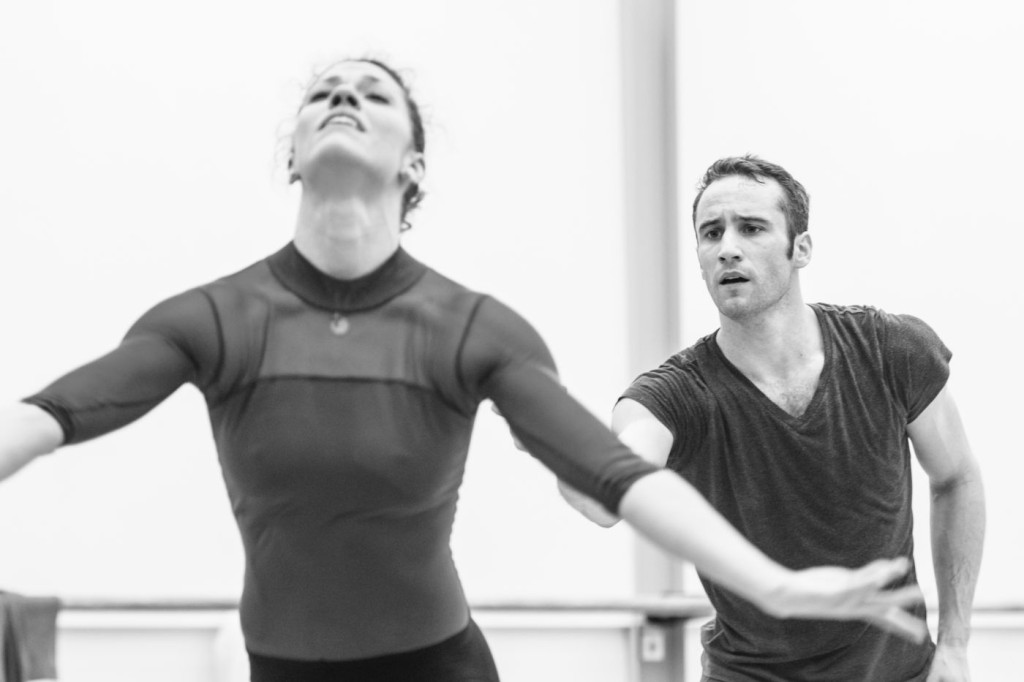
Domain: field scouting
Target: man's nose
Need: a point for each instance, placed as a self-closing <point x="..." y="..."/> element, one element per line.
<point x="729" y="247"/>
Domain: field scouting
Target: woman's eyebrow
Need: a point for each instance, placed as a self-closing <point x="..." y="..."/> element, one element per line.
<point x="367" y="79"/>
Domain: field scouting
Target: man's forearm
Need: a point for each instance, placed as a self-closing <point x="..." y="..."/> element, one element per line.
<point x="958" y="534"/>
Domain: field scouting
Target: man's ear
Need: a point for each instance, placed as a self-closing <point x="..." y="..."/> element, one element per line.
<point x="802" y="248"/>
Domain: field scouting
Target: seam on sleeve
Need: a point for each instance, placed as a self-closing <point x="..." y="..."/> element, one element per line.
<point x="218" y="325"/>
<point x="459" y="374"/>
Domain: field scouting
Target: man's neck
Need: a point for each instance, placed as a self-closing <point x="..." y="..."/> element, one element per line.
<point x="777" y="344"/>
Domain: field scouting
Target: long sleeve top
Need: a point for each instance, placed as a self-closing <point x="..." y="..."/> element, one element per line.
<point x="342" y="412"/>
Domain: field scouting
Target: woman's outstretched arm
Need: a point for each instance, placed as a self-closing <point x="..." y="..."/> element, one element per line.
<point x="165" y="348"/>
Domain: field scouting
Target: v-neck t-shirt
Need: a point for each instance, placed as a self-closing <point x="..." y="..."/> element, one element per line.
<point x="831" y="486"/>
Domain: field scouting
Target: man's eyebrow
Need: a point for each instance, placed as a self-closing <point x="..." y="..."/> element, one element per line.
<point x="714" y="222"/>
<point x="752" y="219"/>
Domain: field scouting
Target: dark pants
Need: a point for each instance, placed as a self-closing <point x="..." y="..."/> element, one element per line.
<point x="464" y="657"/>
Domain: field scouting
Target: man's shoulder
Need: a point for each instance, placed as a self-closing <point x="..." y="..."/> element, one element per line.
<point x="850" y="313"/>
<point x="694" y="358"/>
<point x="870" y="318"/>
<point x="685" y="367"/>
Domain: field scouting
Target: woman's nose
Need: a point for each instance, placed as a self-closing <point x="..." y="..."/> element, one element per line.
<point x="343" y="95"/>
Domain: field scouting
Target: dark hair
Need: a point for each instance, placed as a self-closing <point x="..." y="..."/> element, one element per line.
<point x="413" y="194"/>
<point x="795" y="206"/>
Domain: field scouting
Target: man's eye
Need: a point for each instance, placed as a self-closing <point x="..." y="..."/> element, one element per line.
<point x="374" y="97"/>
<point x="317" y="96"/>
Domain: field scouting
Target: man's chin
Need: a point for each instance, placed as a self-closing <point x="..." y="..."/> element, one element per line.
<point x="735" y="310"/>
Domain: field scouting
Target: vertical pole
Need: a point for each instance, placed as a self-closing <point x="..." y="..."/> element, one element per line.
<point x="649" y="166"/>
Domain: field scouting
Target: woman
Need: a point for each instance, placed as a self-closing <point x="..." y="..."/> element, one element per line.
<point x="342" y="378"/>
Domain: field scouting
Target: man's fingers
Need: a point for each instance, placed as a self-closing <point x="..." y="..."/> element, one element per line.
<point x="518" y="443"/>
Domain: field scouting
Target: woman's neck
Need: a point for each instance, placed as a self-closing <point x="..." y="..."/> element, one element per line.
<point x="346" y="237"/>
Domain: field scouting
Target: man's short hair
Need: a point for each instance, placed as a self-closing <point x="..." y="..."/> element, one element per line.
<point x="795" y="206"/>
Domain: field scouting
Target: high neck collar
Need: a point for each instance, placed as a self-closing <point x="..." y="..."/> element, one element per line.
<point x="395" y="275"/>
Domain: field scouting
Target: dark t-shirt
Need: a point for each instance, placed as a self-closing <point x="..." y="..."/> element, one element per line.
<point x="832" y="486"/>
<point x="342" y="414"/>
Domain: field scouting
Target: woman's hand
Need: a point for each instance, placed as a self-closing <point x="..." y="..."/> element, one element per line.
<point x="845" y="594"/>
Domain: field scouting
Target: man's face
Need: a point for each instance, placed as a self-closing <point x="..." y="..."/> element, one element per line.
<point x="742" y="246"/>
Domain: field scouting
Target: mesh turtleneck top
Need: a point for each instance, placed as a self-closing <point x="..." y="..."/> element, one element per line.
<point x="342" y="412"/>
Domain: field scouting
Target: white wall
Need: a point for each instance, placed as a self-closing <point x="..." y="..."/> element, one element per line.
<point x="143" y="154"/>
<point x="903" y="120"/>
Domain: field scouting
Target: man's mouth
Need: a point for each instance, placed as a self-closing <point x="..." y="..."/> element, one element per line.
<point x="733" y="279"/>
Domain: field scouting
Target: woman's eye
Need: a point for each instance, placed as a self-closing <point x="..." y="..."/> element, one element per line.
<point x="374" y="97"/>
<point x="317" y="96"/>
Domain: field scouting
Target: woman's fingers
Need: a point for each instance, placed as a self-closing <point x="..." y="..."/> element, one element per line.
<point x="898" y="622"/>
<point x="881" y="572"/>
<point x="885" y="607"/>
<point x="900" y="597"/>
<point x="860" y="594"/>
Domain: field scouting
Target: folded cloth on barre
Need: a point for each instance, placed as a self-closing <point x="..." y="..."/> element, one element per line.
<point x="28" y="637"/>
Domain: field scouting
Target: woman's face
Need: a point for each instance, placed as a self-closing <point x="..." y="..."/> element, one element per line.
<point x="355" y="116"/>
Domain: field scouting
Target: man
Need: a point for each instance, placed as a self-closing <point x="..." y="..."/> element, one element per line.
<point x="793" y="420"/>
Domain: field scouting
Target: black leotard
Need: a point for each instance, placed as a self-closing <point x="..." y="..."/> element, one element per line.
<point x="342" y="413"/>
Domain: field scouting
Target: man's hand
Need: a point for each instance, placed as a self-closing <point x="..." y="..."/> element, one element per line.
<point x="835" y="593"/>
<point x="577" y="500"/>
<point x="518" y="443"/>
<point x="949" y="664"/>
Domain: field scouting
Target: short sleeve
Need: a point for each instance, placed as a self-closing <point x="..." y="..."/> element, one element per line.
<point x="173" y="343"/>
<point x="504" y="359"/>
<point x="676" y="395"/>
<point x="917" y="362"/>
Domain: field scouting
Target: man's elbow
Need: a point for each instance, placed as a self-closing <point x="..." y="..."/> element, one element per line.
<point x="966" y="480"/>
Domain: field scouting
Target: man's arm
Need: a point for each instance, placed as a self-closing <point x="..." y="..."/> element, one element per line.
<point x="642" y="433"/>
<point x="26" y="431"/>
<point x="957" y="526"/>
